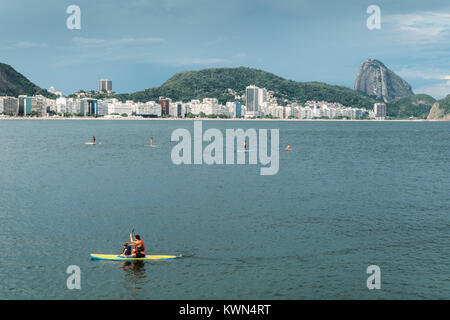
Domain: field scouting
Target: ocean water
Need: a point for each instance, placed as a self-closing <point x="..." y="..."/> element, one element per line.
<point x="349" y="195"/>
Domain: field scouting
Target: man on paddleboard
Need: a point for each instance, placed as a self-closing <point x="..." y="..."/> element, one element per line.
<point x="139" y="247"/>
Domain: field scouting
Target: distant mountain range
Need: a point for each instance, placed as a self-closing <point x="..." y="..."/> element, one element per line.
<point x="214" y="83"/>
<point x="12" y="83"/>
<point x="374" y="83"/>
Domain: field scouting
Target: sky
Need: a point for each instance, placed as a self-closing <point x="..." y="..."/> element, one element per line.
<point x="139" y="44"/>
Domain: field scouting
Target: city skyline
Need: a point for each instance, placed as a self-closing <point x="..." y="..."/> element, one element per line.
<point x="142" y="43"/>
<point x="260" y="103"/>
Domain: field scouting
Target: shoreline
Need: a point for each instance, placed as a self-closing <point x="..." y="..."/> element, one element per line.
<point x="217" y="119"/>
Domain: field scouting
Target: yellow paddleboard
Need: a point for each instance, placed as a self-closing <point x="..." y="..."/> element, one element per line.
<point x="116" y="257"/>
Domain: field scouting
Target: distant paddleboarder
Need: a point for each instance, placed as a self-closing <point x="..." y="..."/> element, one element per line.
<point x="151" y="142"/>
<point x="93" y="139"/>
<point x="245" y="145"/>
<point x="288" y="148"/>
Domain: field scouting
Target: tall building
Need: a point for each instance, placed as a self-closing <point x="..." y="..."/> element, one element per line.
<point x="39" y="105"/>
<point x="73" y="106"/>
<point x="251" y="98"/>
<point x="176" y="109"/>
<point x="380" y="111"/>
<point x="255" y="98"/>
<point x="9" y="105"/>
<point x="105" y="85"/>
<point x="89" y="107"/>
<point x="24" y="105"/>
<point x="236" y="109"/>
<point x="262" y="97"/>
<point x="61" y="105"/>
<point x="102" y="108"/>
<point x="165" y="106"/>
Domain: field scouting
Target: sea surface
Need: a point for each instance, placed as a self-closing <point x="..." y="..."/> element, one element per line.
<point x="349" y="195"/>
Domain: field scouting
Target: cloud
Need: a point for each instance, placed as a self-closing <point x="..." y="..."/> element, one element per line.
<point x="241" y="55"/>
<point x="439" y="90"/>
<point x="189" y="61"/>
<point x="92" y="50"/>
<point x="167" y="6"/>
<point x="438" y="80"/>
<point x="424" y="27"/>
<point x="91" y="42"/>
<point x="25" y="45"/>
<point x="137" y="56"/>
<point x="425" y="74"/>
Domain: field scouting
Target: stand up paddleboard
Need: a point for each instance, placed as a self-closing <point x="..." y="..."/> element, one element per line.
<point x="115" y="257"/>
<point x="246" y="151"/>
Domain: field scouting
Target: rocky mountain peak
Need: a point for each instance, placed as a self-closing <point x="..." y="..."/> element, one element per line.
<point x="376" y="80"/>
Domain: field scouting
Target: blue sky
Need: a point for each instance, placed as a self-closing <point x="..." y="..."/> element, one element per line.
<point x="141" y="43"/>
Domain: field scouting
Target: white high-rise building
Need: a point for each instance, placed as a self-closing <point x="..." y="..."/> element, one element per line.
<point x="105" y="85"/>
<point x="154" y="108"/>
<point x="176" y="109"/>
<point x="102" y="108"/>
<point x="380" y="111"/>
<point x="251" y="98"/>
<point x="39" y="105"/>
<point x="262" y="97"/>
<point x="73" y="106"/>
<point x="61" y="105"/>
<point x="255" y="98"/>
<point x="120" y="108"/>
<point x="148" y="109"/>
<point x="9" y="105"/>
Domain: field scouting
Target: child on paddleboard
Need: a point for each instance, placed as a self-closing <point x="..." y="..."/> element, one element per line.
<point x="126" y="253"/>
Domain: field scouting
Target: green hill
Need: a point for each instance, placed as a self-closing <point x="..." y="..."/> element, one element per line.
<point x="12" y="83"/>
<point x="444" y="105"/>
<point x="213" y="83"/>
<point x="416" y="106"/>
<point x="440" y="110"/>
